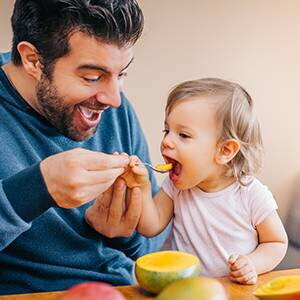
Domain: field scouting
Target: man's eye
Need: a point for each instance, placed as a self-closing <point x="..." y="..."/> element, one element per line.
<point x="92" y="79"/>
<point x="184" y="136"/>
<point x="122" y="75"/>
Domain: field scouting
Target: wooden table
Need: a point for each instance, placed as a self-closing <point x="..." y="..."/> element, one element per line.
<point x="235" y="291"/>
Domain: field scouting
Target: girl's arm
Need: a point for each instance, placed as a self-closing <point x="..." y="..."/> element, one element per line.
<point x="268" y="254"/>
<point x="156" y="213"/>
<point x="272" y="246"/>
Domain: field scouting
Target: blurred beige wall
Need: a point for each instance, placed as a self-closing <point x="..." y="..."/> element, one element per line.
<point x="253" y="42"/>
<point x="6" y="7"/>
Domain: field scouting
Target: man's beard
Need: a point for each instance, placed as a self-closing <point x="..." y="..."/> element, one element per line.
<point x="61" y="116"/>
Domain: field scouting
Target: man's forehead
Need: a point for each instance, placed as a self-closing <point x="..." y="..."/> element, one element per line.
<point x="87" y="50"/>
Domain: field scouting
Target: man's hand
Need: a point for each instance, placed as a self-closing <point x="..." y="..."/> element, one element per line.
<point x="117" y="211"/>
<point x="242" y="269"/>
<point x="78" y="176"/>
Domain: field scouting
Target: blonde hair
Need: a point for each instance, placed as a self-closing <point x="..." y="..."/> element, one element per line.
<point x="235" y="114"/>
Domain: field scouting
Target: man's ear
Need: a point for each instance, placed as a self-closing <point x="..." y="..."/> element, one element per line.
<point x="227" y="151"/>
<point x="30" y="59"/>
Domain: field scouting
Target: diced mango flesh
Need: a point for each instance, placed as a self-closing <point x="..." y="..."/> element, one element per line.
<point x="164" y="167"/>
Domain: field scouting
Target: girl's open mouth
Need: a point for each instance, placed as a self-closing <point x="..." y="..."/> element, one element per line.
<point x="174" y="173"/>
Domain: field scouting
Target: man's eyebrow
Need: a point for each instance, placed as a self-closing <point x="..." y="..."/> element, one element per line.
<point x="93" y="67"/>
<point x="128" y="64"/>
<point x="99" y="68"/>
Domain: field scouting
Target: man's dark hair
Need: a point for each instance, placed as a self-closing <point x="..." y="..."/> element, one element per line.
<point x="47" y="24"/>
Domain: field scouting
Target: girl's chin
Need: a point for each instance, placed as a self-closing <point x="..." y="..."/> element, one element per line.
<point x="180" y="184"/>
<point x="183" y="183"/>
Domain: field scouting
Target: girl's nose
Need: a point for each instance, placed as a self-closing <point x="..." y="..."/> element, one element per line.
<point x="167" y="142"/>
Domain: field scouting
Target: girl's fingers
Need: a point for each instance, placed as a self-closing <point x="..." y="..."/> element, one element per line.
<point x="240" y="262"/>
<point x="232" y="258"/>
<point x="240" y="272"/>
<point x="249" y="277"/>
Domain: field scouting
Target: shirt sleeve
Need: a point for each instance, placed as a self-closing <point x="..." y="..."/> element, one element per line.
<point x="261" y="202"/>
<point x="23" y="197"/>
<point x="5" y="58"/>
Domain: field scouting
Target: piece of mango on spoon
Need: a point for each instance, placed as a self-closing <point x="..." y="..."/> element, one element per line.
<point x="163" y="167"/>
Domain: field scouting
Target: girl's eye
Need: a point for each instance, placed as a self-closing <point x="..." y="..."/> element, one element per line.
<point x="184" y="136"/>
<point x="165" y="132"/>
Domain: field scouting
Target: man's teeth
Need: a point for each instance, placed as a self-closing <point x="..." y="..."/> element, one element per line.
<point x="87" y="111"/>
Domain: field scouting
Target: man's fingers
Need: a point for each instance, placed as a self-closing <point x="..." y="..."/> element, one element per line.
<point x="101" y="176"/>
<point x="134" y="210"/>
<point x="92" y="160"/>
<point x="117" y="202"/>
<point x="100" y="208"/>
<point x="103" y="203"/>
<point x="128" y="198"/>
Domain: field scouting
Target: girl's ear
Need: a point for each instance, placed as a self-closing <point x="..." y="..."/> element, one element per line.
<point x="30" y="59"/>
<point x="227" y="151"/>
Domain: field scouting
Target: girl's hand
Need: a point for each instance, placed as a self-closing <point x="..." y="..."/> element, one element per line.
<point x="136" y="174"/>
<point x="242" y="269"/>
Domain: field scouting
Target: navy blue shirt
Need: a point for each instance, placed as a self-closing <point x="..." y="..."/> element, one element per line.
<point x="44" y="247"/>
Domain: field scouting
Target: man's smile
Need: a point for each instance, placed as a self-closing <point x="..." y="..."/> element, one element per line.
<point x="86" y="118"/>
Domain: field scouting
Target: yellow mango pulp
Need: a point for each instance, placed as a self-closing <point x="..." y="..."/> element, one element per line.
<point x="165" y="261"/>
<point x="156" y="270"/>
<point x="284" y="287"/>
<point x="164" y="167"/>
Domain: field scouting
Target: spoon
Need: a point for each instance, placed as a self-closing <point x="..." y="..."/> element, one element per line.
<point x="160" y="168"/>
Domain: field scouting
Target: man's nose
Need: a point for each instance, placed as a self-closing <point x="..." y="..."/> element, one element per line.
<point x="110" y="93"/>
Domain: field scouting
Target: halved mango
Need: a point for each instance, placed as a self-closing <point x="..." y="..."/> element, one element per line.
<point x="280" y="288"/>
<point x="204" y="288"/>
<point x="156" y="270"/>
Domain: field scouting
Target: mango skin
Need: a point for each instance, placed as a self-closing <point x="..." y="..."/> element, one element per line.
<point x="155" y="282"/>
<point x="197" y="288"/>
<point x="92" y="291"/>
